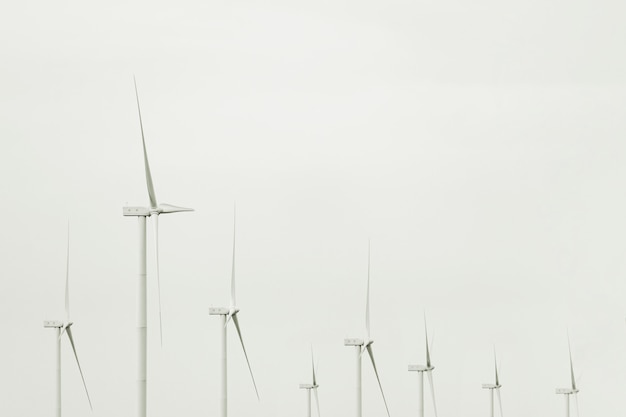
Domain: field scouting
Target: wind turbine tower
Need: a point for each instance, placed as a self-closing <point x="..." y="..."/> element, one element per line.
<point x="362" y="345"/>
<point x="65" y="327"/>
<point x="566" y="392"/>
<point x="142" y="213"/>
<point x="228" y="313"/>
<point x="494" y="387"/>
<point x="420" y="369"/>
<point x="311" y="387"/>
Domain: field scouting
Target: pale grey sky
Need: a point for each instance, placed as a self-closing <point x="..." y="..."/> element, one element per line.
<point x="480" y="145"/>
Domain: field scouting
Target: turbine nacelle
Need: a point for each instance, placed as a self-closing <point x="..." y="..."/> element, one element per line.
<point x="491" y="386"/>
<point x="218" y="311"/>
<point x="353" y="342"/>
<point x="567" y="391"/>
<point x="308" y="386"/>
<point x="420" y="368"/>
<point x="223" y="311"/>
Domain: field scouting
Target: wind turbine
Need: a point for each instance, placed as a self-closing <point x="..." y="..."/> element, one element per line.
<point x="309" y="387"/>
<point x="494" y="387"/>
<point x="65" y="327"/>
<point x="566" y="392"/>
<point x="363" y="345"/>
<point x="141" y="213"/>
<point x="227" y="314"/>
<point x="428" y="368"/>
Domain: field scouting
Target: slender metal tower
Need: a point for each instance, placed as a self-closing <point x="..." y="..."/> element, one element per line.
<point x="228" y="313"/>
<point x="420" y="369"/>
<point x="142" y="213"/>
<point x="494" y="387"/>
<point x="363" y="345"/>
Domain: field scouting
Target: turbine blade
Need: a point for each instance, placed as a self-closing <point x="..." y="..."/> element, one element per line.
<point x="313" y="367"/>
<point x="495" y="362"/>
<point x="571" y="364"/>
<point x="427" y="349"/>
<point x="245" y="354"/>
<point x="151" y="194"/>
<point x="317" y="401"/>
<point x="63" y="331"/>
<point x="432" y="390"/>
<point x="168" y="208"/>
<point x="69" y="334"/>
<point x="369" y="350"/>
<point x="232" y="274"/>
<point x="499" y="402"/>
<point x="367" y="300"/>
<point x="67" y="277"/>
<point x="577" y="410"/>
<point x="158" y="273"/>
<point x="363" y="350"/>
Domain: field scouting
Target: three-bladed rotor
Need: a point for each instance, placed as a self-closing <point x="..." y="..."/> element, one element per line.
<point x="367" y="342"/>
<point x="496" y="386"/>
<point x="65" y="326"/>
<point x="154" y="210"/>
<point x="232" y="311"/>
<point x="573" y="389"/>
<point x="428" y="368"/>
<point x="313" y="386"/>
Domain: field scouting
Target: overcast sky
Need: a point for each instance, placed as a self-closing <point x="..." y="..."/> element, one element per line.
<point x="480" y="145"/>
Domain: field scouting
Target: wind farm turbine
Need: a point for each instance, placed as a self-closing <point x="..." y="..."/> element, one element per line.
<point x="227" y="314"/>
<point x="65" y="327"/>
<point x="142" y="213"/>
<point x="428" y="368"/>
<point x="566" y="392"/>
<point x="494" y="387"/>
<point x="313" y="386"/>
<point x="363" y="345"/>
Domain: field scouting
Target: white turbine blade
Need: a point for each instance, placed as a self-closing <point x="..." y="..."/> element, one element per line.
<point x="432" y="390"/>
<point x="367" y="300"/>
<point x="151" y="194"/>
<point x="369" y="350"/>
<point x="232" y="274"/>
<point x="363" y="350"/>
<point x="246" y="355"/>
<point x="228" y="317"/>
<point x="427" y="349"/>
<point x="158" y="274"/>
<point x="499" y="401"/>
<point x="67" y="277"/>
<point x="65" y="326"/>
<point x="495" y="363"/>
<point x="317" y="401"/>
<point x="571" y="364"/>
<point x="577" y="410"/>
<point x="168" y="208"/>
<point x="313" y="367"/>
<point x="69" y="334"/>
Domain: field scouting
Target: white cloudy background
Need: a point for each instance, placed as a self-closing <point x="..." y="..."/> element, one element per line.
<point x="480" y="145"/>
